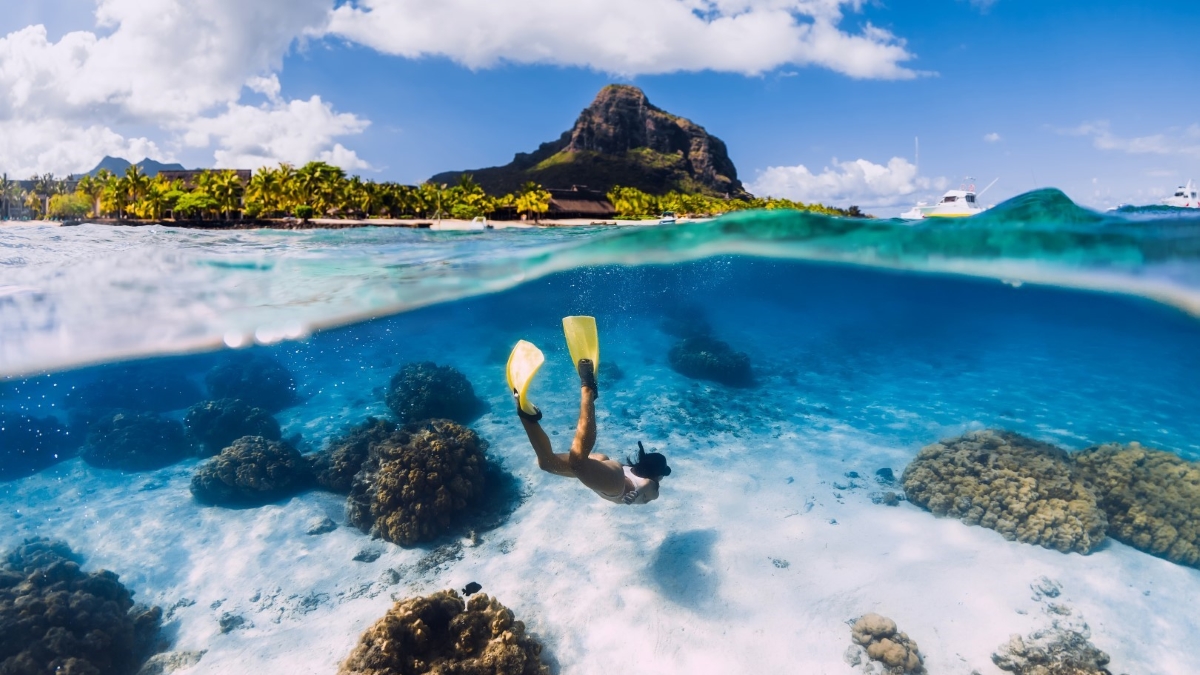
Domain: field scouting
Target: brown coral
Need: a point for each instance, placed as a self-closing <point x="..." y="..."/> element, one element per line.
<point x="1024" y="489"/>
<point x="217" y="424"/>
<point x="886" y="644"/>
<point x="1152" y="498"/>
<point x="1054" y="651"/>
<point x="135" y="442"/>
<point x="441" y="634"/>
<point x="415" y="484"/>
<point x="425" y="390"/>
<point x="336" y="465"/>
<point x="251" y="472"/>
<point x="58" y="620"/>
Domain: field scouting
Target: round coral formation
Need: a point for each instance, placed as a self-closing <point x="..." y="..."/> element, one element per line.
<point x="1151" y="497"/>
<point x="259" y="380"/>
<point x="886" y="644"/>
<point x="135" y="442"/>
<point x="30" y="444"/>
<point x="251" y="472"/>
<point x="56" y="619"/>
<point x="1024" y="489"/>
<point x="418" y="482"/>
<point x="421" y="391"/>
<point x="441" y="634"/>
<point x="336" y="466"/>
<point x="217" y="424"/>
<point x="704" y="358"/>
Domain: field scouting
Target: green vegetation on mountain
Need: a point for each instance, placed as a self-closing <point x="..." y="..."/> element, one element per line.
<point x="621" y="139"/>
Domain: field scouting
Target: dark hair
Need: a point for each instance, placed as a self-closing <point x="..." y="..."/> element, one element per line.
<point x="650" y="465"/>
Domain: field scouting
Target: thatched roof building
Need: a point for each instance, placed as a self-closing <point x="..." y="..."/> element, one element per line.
<point x="580" y="202"/>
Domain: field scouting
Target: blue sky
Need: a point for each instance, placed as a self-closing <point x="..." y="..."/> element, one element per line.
<point x="1099" y="99"/>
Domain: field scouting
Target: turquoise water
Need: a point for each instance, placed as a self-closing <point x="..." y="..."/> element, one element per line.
<point x="867" y="340"/>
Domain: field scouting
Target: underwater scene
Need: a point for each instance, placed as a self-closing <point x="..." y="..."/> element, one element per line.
<point x="962" y="448"/>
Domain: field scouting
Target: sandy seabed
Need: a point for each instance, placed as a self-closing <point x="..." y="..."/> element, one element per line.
<point x="759" y="552"/>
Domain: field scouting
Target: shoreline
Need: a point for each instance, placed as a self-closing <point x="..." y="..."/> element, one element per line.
<point x="446" y="224"/>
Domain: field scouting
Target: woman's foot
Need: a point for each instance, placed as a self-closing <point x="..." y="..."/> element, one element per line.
<point x="535" y="417"/>
<point x="587" y="375"/>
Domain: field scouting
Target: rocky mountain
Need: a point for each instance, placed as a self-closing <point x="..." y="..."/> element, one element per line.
<point x="620" y="139"/>
<point x="148" y="166"/>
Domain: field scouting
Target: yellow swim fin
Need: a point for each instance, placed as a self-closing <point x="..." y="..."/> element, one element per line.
<point x="582" y="340"/>
<point x="523" y="363"/>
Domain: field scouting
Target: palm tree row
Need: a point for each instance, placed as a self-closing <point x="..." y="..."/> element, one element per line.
<point x="633" y="203"/>
<point x="321" y="190"/>
<point x="316" y="189"/>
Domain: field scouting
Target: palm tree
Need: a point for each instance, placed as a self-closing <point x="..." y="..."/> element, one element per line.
<point x="157" y="198"/>
<point x="7" y="192"/>
<point x="533" y="199"/>
<point x="227" y="190"/>
<point x="265" y="190"/>
<point x="136" y="184"/>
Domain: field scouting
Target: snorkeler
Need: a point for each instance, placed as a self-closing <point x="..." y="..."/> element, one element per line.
<point x="634" y="483"/>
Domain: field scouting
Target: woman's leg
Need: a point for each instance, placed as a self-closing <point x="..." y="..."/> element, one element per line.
<point x="603" y="475"/>
<point x="547" y="460"/>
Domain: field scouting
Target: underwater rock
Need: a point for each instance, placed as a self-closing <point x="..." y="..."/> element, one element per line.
<point x="259" y="380"/>
<point x="883" y="642"/>
<point x="425" y="390"/>
<point x="367" y="555"/>
<point x="230" y="622"/>
<point x="251" y="472"/>
<point x="1151" y="497"/>
<point x="139" y="387"/>
<point x="135" y="442"/>
<point x="442" y="634"/>
<point x="217" y="424"/>
<point x="1051" y="651"/>
<point x="885" y="476"/>
<point x="335" y="467"/>
<point x="169" y="662"/>
<point x="1024" y="489"/>
<point x="58" y="619"/>
<point x="418" y="482"/>
<point x="318" y="526"/>
<point x="704" y="358"/>
<point x="30" y="444"/>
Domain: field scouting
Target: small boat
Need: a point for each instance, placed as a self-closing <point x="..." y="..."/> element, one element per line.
<point x="667" y="218"/>
<point x="960" y="203"/>
<point x="1185" y="197"/>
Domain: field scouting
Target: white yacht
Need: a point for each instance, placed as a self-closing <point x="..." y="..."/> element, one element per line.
<point x="954" y="204"/>
<point x="1184" y="198"/>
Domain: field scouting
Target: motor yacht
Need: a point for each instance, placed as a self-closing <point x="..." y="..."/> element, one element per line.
<point x="1185" y="197"/>
<point x="960" y="203"/>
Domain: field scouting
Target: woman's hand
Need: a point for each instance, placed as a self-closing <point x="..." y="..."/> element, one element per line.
<point x="630" y="497"/>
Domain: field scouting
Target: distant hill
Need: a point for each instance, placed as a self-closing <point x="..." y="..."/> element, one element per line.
<point x="148" y="166"/>
<point x="620" y="139"/>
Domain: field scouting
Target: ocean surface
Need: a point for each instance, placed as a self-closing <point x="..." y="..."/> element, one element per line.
<point x="867" y="340"/>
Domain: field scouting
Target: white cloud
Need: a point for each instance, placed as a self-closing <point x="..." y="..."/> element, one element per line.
<point x="1185" y="142"/>
<point x="173" y="65"/>
<point x="295" y="132"/>
<point x="983" y="5"/>
<point x="628" y="37"/>
<point x="992" y="137"/>
<point x="859" y="182"/>
<point x="46" y="146"/>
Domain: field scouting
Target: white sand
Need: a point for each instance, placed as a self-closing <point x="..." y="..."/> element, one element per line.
<point x="739" y="568"/>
